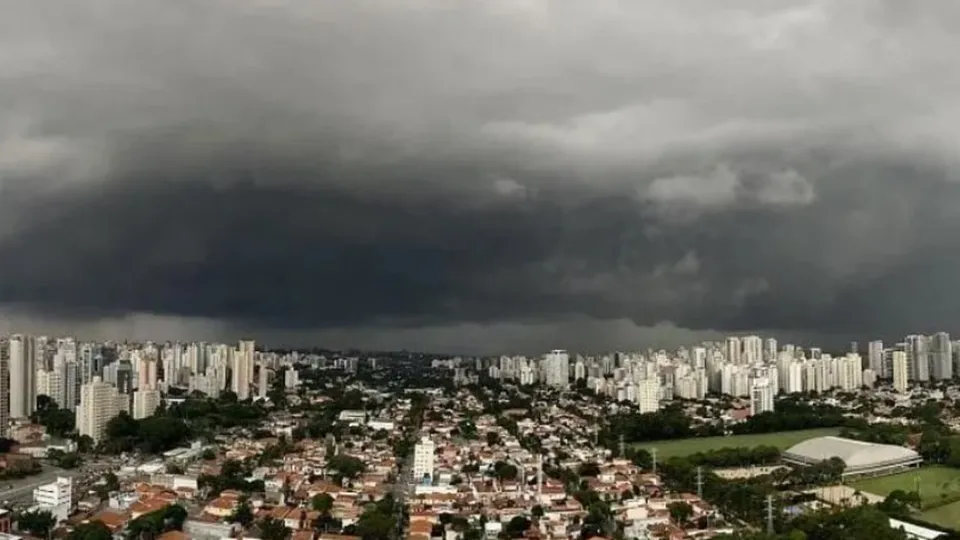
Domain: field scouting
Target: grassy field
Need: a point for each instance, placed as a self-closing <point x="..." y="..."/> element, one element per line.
<point x="685" y="447"/>
<point x="936" y="484"/>
<point x="947" y="515"/>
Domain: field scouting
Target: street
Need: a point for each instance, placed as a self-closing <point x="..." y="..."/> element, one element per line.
<point x="24" y="487"/>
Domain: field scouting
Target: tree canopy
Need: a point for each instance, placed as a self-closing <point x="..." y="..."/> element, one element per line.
<point x="38" y="522"/>
<point x="93" y="530"/>
<point x="273" y="529"/>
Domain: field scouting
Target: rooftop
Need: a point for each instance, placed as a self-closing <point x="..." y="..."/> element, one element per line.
<point x="853" y="453"/>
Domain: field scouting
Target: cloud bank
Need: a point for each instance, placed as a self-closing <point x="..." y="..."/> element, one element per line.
<point x="413" y="167"/>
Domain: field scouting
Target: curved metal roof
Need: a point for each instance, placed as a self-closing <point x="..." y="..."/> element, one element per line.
<point x="854" y="453"/>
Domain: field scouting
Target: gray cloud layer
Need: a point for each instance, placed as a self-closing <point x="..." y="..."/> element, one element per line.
<point x="411" y="164"/>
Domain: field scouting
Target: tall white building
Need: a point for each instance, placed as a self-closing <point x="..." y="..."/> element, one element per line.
<point x="769" y="350"/>
<point x="918" y="362"/>
<point x="50" y="384"/>
<point x="55" y="497"/>
<point x="4" y="394"/>
<point x="556" y="367"/>
<point x="761" y="396"/>
<point x="901" y="373"/>
<point x="22" y="367"/>
<point x="147" y="375"/>
<point x="145" y="403"/>
<point x="752" y="350"/>
<point x="423" y="460"/>
<point x="291" y="378"/>
<point x="875" y="357"/>
<point x="648" y="395"/>
<point x="242" y="369"/>
<point x="941" y="357"/>
<point x="733" y="350"/>
<point x="263" y="381"/>
<point x="99" y="402"/>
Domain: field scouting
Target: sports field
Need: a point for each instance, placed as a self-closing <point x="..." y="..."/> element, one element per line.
<point x="685" y="447"/>
<point x="947" y="515"/>
<point x="937" y="485"/>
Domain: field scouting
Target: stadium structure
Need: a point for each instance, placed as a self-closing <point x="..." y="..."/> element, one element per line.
<point x="860" y="458"/>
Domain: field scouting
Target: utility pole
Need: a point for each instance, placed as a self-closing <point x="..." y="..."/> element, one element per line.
<point x="700" y="482"/>
<point x="770" y="515"/>
<point x="653" y="456"/>
<point x="539" y="476"/>
<point x="623" y="452"/>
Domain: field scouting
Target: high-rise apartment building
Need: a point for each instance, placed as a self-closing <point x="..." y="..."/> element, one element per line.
<point x="99" y="402"/>
<point x="556" y="368"/>
<point x="648" y="395"/>
<point x="918" y="361"/>
<point x="263" y="381"/>
<point x="901" y="372"/>
<point x="941" y="358"/>
<point x="751" y="350"/>
<point x="22" y="366"/>
<point x="242" y="369"/>
<point x="145" y="403"/>
<point x="761" y="396"/>
<point x="4" y="387"/>
<point x="770" y="350"/>
<point x="423" y="460"/>
<point x="733" y="350"/>
<point x="291" y="378"/>
<point x="875" y="357"/>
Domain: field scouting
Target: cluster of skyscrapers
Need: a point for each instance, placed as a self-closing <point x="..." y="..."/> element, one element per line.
<point x="750" y="367"/>
<point x="99" y="380"/>
<point x="927" y="358"/>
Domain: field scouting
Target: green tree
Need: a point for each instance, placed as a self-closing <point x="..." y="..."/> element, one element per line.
<point x="375" y="525"/>
<point x="680" y="512"/>
<point x="85" y="444"/>
<point x="589" y="469"/>
<point x="38" y="523"/>
<point x="93" y="530"/>
<point x="347" y="466"/>
<point x="517" y="527"/>
<point x="64" y="460"/>
<point x="505" y="471"/>
<point x="273" y="529"/>
<point x="243" y="513"/>
<point x="59" y="422"/>
<point x="174" y="516"/>
<point x="322" y="502"/>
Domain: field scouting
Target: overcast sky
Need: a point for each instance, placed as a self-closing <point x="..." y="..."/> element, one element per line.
<point x="481" y="175"/>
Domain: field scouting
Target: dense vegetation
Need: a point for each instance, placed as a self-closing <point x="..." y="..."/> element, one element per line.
<point x="861" y="522"/>
<point x="673" y="423"/>
<point x="736" y="457"/>
<point x="792" y="415"/>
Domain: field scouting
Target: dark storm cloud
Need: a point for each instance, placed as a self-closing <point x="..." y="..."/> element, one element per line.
<point x="730" y="165"/>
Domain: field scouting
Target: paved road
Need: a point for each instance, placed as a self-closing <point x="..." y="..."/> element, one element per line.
<point x="24" y="487"/>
